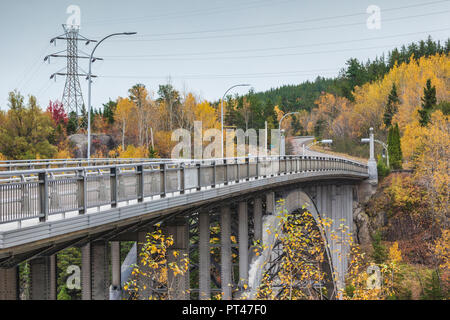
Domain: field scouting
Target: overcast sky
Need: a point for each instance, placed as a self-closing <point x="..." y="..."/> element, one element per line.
<point x="205" y="46"/>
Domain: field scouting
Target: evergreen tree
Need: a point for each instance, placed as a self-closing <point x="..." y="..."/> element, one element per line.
<point x="394" y="148"/>
<point x="108" y="111"/>
<point x="391" y="106"/>
<point x="72" y="124"/>
<point x="433" y="290"/>
<point x="428" y="103"/>
<point x="380" y="253"/>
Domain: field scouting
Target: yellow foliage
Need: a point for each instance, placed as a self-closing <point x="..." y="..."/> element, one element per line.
<point x="130" y="152"/>
<point x="207" y="115"/>
<point x="410" y="79"/>
<point x="62" y="154"/>
<point x="395" y="254"/>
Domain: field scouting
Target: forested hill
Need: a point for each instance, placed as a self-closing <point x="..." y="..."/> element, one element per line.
<point x="354" y="73"/>
<point x="296" y="97"/>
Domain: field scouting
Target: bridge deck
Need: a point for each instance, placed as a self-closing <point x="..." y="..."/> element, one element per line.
<point x="42" y="205"/>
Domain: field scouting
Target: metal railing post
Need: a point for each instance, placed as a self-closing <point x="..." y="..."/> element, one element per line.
<point x="113" y="187"/>
<point x="225" y="163"/>
<point x="257" y="167"/>
<point x="198" y="166"/>
<point x="238" y="171"/>
<point x="163" y="180"/>
<point x="247" y="162"/>
<point x="182" y="179"/>
<point x="43" y="196"/>
<point x="82" y="191"/>
<point x="140" y="182"/>
<point x="214" y="175"/>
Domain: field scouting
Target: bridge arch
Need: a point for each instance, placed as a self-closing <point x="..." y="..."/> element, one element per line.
<point x="293" y="201"/>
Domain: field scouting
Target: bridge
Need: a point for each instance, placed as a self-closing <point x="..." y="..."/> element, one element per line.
<point x="49" y="205"/>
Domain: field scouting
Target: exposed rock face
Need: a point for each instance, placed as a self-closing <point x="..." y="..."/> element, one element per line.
<point x="362" y="223"/>
<point x="78" y="143"/>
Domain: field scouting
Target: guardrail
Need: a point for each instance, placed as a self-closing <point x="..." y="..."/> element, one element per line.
<point x="12" y="165"/>
<point x="27" y="194"/>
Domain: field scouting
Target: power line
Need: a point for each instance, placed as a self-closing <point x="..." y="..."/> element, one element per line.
<point x="258" y="56"/>
<point x="211" y="76"/>
<point x="191" y="13"/>
<point x="31" y="71"/>
<point x="275" y="48"/>
<point x="262" y="33"/>
<point x="288" y="23"/>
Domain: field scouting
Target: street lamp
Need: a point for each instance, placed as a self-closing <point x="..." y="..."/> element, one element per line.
<point x="221" y="108"/>
<point x="89" y="85"/>
<point x="384" y="145"/>
<point x="325" y="141"/>
<point x="282" y="144"/>
<point x="371" y="164"/>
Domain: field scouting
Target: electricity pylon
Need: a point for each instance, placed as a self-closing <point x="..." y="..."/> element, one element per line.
<point x="72" y="98"/>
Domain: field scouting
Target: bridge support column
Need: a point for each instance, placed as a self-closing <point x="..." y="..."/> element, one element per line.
<point x="43" y="278"/>
<point x="115" y="291"/>
<point x="95" y="271"/>
<point x="179" y="230"/>
<point x="225" y="251"/>
<point x="243" y="243"/>
<point x="86" y="272"/>
<point x="9" y="284"/>
<point x="257" y="217"/>
<point x="270" y="203"/>
<point x="204" y="259"/>
<point x="100" y="270"/>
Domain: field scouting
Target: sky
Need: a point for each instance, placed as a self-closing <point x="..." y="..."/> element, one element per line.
<point x="204" y="46"/>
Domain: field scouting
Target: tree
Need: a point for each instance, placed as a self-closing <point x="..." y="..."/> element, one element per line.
<point x="169" y="98"/>
<point x="432" y="289"/>
<point x="109" y="109"/>
<point x="72" y="123"/>
<point x="428" y="103"/>
<point x="138" y="95"/>
<point x="380" y="253"/>
<point x="394" y="147"/>
<point x="122" y="115"/>
<point x="391" y="106"/>
<point x="161" y="263"/>
<point x="56" y="110"/>
<point x="26" y="130"/>
<point x="301" y="273"/>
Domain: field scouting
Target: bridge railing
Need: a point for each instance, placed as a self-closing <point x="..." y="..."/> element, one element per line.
<point x="27" y="194"/>
<point x="13" y="165"/>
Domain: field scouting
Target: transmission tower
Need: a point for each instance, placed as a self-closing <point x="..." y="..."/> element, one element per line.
<point x="72" y="98"/>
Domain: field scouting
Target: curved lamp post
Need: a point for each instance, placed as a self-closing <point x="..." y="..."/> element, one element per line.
<point x="221" y="108"/>
<point x="90" y="82"/>
<point x="384" y="145"/>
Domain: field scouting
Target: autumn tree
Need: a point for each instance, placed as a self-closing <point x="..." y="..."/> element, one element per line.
<point x="124" y="111"/>
<point x="27" y="131"/>
<point x="160" y="264"/>
<point x="138" y="95"/>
